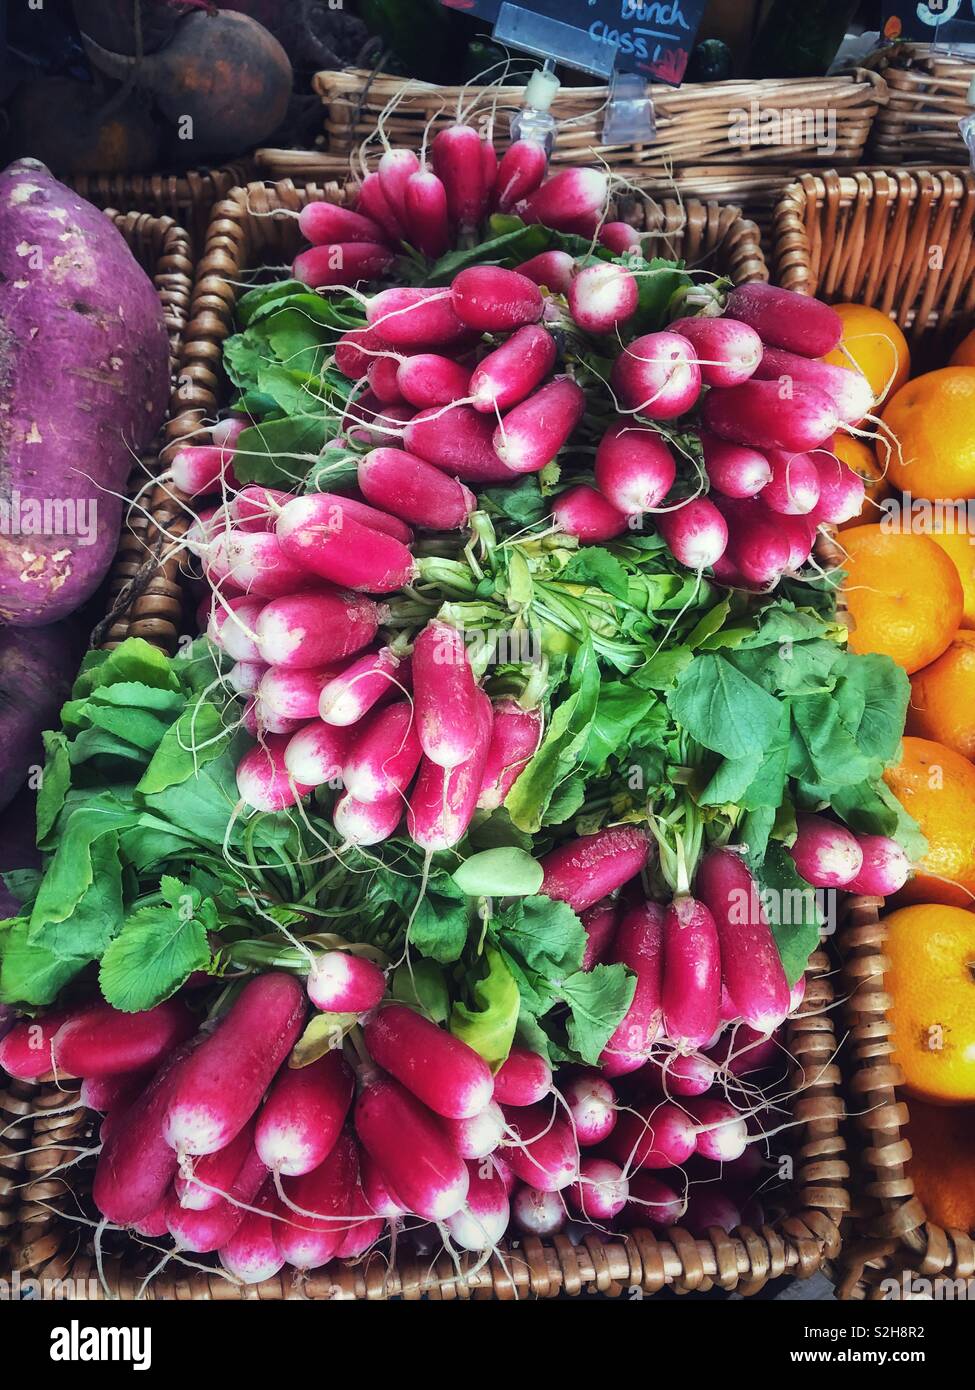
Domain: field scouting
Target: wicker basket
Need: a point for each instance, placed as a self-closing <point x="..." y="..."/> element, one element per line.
<point x="697" y="124"/>
<point x="928" y="97"/>
<point x="187" y="198"/>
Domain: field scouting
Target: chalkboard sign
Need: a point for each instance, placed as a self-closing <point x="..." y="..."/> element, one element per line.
<point x="651" y="37"/>
<point x="943" y="22"/>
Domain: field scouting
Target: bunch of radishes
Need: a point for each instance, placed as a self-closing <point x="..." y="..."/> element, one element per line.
<point x="830" y="856"/>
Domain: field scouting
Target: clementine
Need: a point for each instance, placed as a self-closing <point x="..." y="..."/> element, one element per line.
<point x="874" y="343"/>
<point x="942" y="704"/>
<point x="932" y="419"/>
<point x="936" y="786"/>
<point x="942" y="1162"/>
<point x="964" y="353"/>
<point x="960" y="546"/>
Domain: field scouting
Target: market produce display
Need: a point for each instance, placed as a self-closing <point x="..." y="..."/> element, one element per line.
<point x="461" y="877"/>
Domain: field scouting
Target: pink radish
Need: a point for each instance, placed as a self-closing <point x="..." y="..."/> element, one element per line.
<point x="653" y="1134"/>
<point x="103" y="1041"/>
<point x="707" y="1211"/>
<point x="538" y="1213"/>
<point x="602" y="296"/>
<point x="384" y="755"/>
<point x="443" y="801"/>
<point x="794" y="486"/>
<point x="542" y="1151"/>
<point x="653" y="1201"/>
<point x="478" y="1135"/>
<point x="531" y="434"/>
<point x="657" y="375"/>
<point x="692" y="974"/>
<point x="330" y="507"/>
<point x="634" y="468"/>
<point x="484" y="1217"/>
<point x="553" y="269"/>
<point x="583" y="512"/>
<point x="254" y="508"/>
<point x="722" y="1134"/>
<point x="458" y="163"/>
<point x="728" y="352"/>
<point x="213" y="1174"/>
<point x="758" y="547"/>
<point x="315" y="754"/>
<point x="841" y="490"/>
<point x="785" y="319"/>
<point x="308" y="1241"/>
<point x="367" y="822"/>
<point x="460" y="441"/>
<point x="345" y="263"/>
<point x="445" y="695"/>
<point x="515" y="736"/>
<point x="259" y="722"/>
<point x="489" y="169"/>
<point x="227" y="431"/>
<point x="342" y="550"/>
<point x="203" y="1229"/>
<point x="426" y="213"/>
<point x="524" y="1078"/>
<point x="362" y="685"/>
<point x="376" y="1190"/>
<point x="415" y="490"/>
<point x="884" y="870"/>
<point x="382" y="378"/>
<point x="263" y="779"/>
<point x="321" y="223"/>
<point x="582" y="871"/>
<point x="26" y="1052"/>
<point x="512" y="371"/>
<point x="220" y="1085"/>
<point x="113" y="1093"/>
<point x="491" y="300"/>
<point x="356" y="349"/>
<point x="826" y="854"/>
<point x="846" y="387"/>
<point x="342" y="983"/>
<point x="374" y="204"/>
<point x="204" y="529"/>
<point x="364" y="1228"/>
<point x="601" y="1191"/>
<point x="600" y="923"/>
<point x="250" y="1254"/>
<point x="592" y="1105"/>
<point x="767" y="415"/>
<point x="799" y="532"/>
<point x="734" y="469"/>
<point x="619" y="237"/>
<point x="696" y="533"/>
<point x="680" y="1074"/>
<point x="378" y="424"/>
<point x="521" y="170"/>
<point x="741" y="1050"/>
<point x="199" y="469"/>
<point x="639" y="946"/>
<point x="293" y="694"/>
<point x="419" y="317"/>
<point x="154" y="1224"/>
<point x="750" y="963"/>
<point x="406" y="1142"/>
<point x="396" y="168"/>
<point x="303" y="1115"/>
<point x="570" y="197"/>
<point x="427" y="380"/>
<point x="439" y="1069"/>
<point x="311" y="630"/>
<point x="255" y="562"/>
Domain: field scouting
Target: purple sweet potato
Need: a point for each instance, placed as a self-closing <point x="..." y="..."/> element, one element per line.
<point x="37" y="667"/>
<point x="84" y="379"/>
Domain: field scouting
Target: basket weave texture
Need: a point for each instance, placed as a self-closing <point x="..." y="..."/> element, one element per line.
<point x="928" y="96"/>
<point x="187" y="198"/>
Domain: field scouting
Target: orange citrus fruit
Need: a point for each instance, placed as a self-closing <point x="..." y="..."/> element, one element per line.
<point x="936" y="786"/>
<point x="903" y="594"/>
<point x="876" y="345"/>
<point x="964" y="353"/>
<point x="861" y="458"/>
<point x="960" y="546"/>
<point x="942" y="704"/>
<point x="942" y="1162"/>
<point x="932" y="419"/>
<point x="931" y="982"/>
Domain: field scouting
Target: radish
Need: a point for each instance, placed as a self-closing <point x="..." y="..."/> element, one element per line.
<point x="785" y="319"/>
<point x="235" y="631"/>
<point x="307" y="1241"/>
<point x="367" y="822"/>
<point x="695" y="532"/>
<point x="639" y="946"/>
<point x="384" y="755"/>
<point x="885" y="867"/>
<point x="396" y="168"/>
<point x="113" y="1093"/>
<point x="584" y="513"/>
<point x="515" y="736"/>
<point x="355" y="350"/>
<point x="553" y="269"/>
<point x="570" y="198"/>
<point x="654" y="1201"/>
<point x="220" y="1085"/>
<point x="512" y="371"/>
<point x="382" y="378"/>
<point x="458" y="163"/>
<point x="799" y="533"/>
<point x="491" y="300"/>
<point x="379" y="1196"/>
<point x="406" y="1142"/>
<point x="653" y="1134"/>
<point x="619" y="237"/>
<point x="254" y="508"/>
<point x="765" y="415"/>
<point x="26" y="1052"/>
<point x="199" y="469"/>
<point x="103" y="1041"/>
<point x="846" y="387"/>
<point x="841" y="491"/>
<point x="316" y="754"/>
<point x="342" y="983"/>
<point x="758" y="546"/>
<point x="707" y="1211"/>
<point x="153" y="1224"/>
<point x="634" y="468"/>
<point x="427" y="380"/>
<point x="750" y="964"/>
<point x="437" y="1068"/>
<point x="255" y="562"/>
<point x="426" y="213"/>
<point x="203" y="531"/>
<point x="480" y="1134"/>
<point x="692" y="974"/>
<point x="250" y="1254"/>
<point x="729" y="352"/>
<point x="363" y="1230"/>
<point x="331" y="508"/>
<point x="484" y="1217"/>
<point x="741" y="1050"/>
<point x="321" y="223"/>
<point x="263" y="779"/>
<point x="361" y="686"/>
<point x="522" y="168"/>
<point x="657" y="375"/>
<point x="227" y="431"/>
<point x="445" y="695"/>
<point x="582" y="871"/>
<point x="293" y="694"/>
<point x="602" y="296"/>
<point x="379" y="424"/>
<point x="489" y="168"/>
<point x="722" y="1133"/>
<point x="601" y="1191"/>
<point x="538" y="1213"/>
<point x="734" y="469"/>
<point x="592" y="1105"/>
<point x="260" y="722"/>
<point x="460" y="441"/>
<point x="374" y="204"/>
<point x="303" y="1115"/>
<point x="680" y="1074"/>
<point x="203" y="1229"/>
<point x="213" y="1174"/>
<point x="543" y="1151"/>
<point x="827" y="855"/>
<point x="524" y="1078"/>
<point x="344" y="263"/>
<point x="531" y="434"/>
<point x="794" y="486"/>
<point x="343" y="550"/>
<point x="415" y="317"/>
<point x="415" y="490"/>
<point x="600" y="923"/>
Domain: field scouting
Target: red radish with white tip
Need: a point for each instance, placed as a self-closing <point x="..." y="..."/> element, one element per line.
<point x="680" y="1074"/>
<point x="396" y="168"/>
<point x="484" y="1217"/>
<point x="571" y="197"/>
<point x="316" y="753"/>
<point x="601" y="1191"/>
<point x="331" y="509"/>
<point x="593" y="1106"/>
<point x="639" y="946"/>
<point x="321" y="223"/>
<point x="427" y="380"/>
<point x="653" y="1134"/>
<point x="356" y="349"/>
<point x="885" y="867"/>
<point x="251" y="1255"/>
<point x="459" y="440"/>
<point x="520" y="171"/>
<point x="199" y="469"/>
<point x="769" y="415"/>
<point x="538" y="1213"/>
<point x="303" y="1115"/>
<point x="254" y="508"/>
<point x="489" y="168"/>
<point x="515" y="736"/>
<point x="344" y="263"/>
<point x="415" y="490"/>
<point x="213" y="1174"/>
<point x="543" y="1150"/>
<point x="741" y="1050"/>
<point x="366" y="822"/>
<point x="311" y="630"/>
<point x="427" y="220"/>
<point x="758" y="547"/>
<point x="603" y="296"/>
<point x="256" y="563"/>
<point x="369" y="679"/>
<point x="25" y="1052"/>
<point x="363" y="1230"/>
<point x="342" y="983"/>
<point x="263" y="779"/>
<point x="204" y="1229"/>
<point x="728" y="352"/>
<point x="841" y="491"/>
<point x="799" y="533"/>
<point x="722" y="1134"/>
<point x="492" y="300"/>
<point x="652" y="1201"/>
<point x="458" y="163"/>
<point x="373" y="203"/>
<point x="404" y="1139"/>
<point x="582" y="871"/>
<point x="512" y="371"/>
<point x="619" y="237"/>
<point x="784" y="319"/>
<point x="634" y="468"/>
<point x="695" y="532"/>
<point x="553" y="269"/>
<point x="103" y="1041"/>
<point x="445" y="695"/>
<point x="846" y="387"/>
<point x="707" y="1211"/>
<point x="794" y="486"/>
<point x="478" y="1135"/>
<point x="342" y="550"/>
<point x="692" y="973"/>
<point x="600" y="922"/>
<point x="734" y="470"/>
<point x="292" y="694"/>
<point x="415" y="317"/>
<point x="524" y="1078"/>
<point x="383" y="383"/>
<point x="308" y="1241"/>
<point x="376" y="1190"/>
<point x="384" y="755"/>
<point x="583" y="512"/>
<point x="259" y="722"/>
<point x="533" y="432"/>
<point x="827" y="855"/>
<point x="439" y="1069"/>
<point x="113" y="1093"/>
<point x="657" y="376"/>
